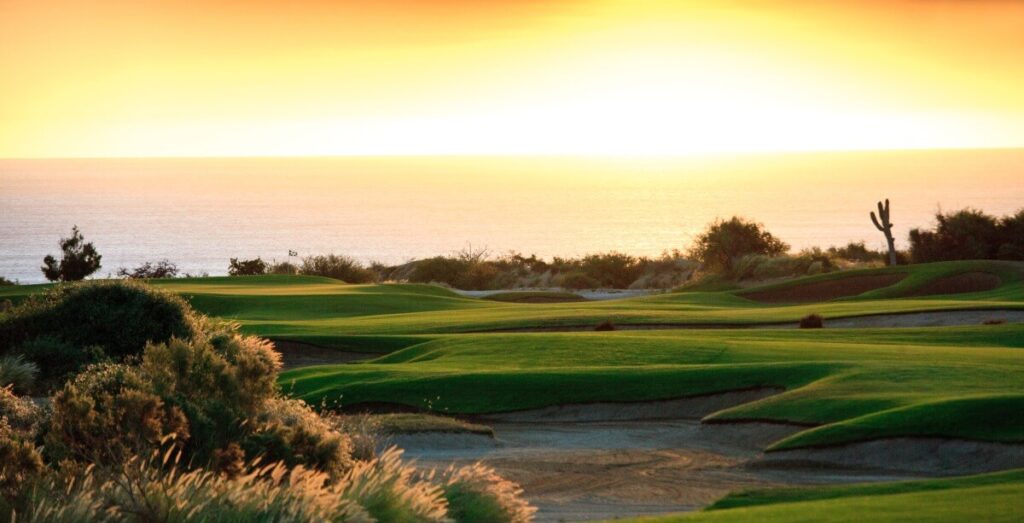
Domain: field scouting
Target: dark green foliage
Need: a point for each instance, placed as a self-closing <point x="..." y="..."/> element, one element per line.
<point x="76" y="323"/>
<point x="5" y="282"/>
<point x="969" y="234"/>
<point x="724" y="242"/>
<point x="339" y="267"/>
<point x="148" y="270"/>
<point x="439" y="269"/>
<point x="812" y="321"/>
<point x="253" y="267"/>
<point x="79" y="259"/>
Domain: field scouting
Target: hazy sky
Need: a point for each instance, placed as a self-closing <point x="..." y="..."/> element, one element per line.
<point x="258" y="77"/>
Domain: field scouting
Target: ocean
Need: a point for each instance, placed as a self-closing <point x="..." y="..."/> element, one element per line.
<point x="200" y="212"/>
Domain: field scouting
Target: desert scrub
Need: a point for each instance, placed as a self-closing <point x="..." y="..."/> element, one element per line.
<point x="478" y="493"/>
<point x="339" y="267"/>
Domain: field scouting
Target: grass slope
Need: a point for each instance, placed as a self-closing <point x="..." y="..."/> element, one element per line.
<point x="989" y="497"/>
<point x="849" y="384"/>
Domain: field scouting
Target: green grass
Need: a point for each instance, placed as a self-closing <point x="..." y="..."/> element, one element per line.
<point x="849" y="384"/>
<point x="989" y="497"/>
<point x="535" y="297"/>
<point x="846" y="385"/>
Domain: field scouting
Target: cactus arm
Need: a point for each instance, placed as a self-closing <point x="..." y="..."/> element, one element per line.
<point x="875" y="221"/>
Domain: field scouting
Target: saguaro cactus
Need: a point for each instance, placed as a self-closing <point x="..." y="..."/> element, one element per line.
<point x="883" y="224"/>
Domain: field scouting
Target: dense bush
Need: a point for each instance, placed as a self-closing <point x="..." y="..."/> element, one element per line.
<point x="723" y="243"/>
<point x="857" y="252"/>
<point x="149" y="270"/>
<point x="4" y="282"/>
<point x="73" y="324"/>
<point x="252" y="267"/>
<point x="969" y="234"/>
<point x="339" y="267"/>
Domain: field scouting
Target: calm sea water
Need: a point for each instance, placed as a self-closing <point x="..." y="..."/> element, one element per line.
<point x="200" y="212"/>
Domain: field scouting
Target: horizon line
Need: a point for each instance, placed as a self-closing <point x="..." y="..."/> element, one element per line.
<point x="527" y="155"/>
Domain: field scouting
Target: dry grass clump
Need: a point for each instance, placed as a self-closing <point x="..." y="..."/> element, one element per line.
<point x="18" y="373"/>
<point x="477" y="493"/>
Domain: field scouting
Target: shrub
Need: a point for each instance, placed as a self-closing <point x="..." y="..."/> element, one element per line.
<point x="578" y="281"/>
<point x="60" y="358"/>
<point x="605" y="325"/>
<point x="288" y="431"/>
<point x="857" y="252"/>
<point x="477" y="493"/>
<point x="338" y="267"/>
<point x="283" y="268"/>
<point x="17" y="373"/>
<point x="724" y="242"/>
<point x="4" y="282"/>
<point x="20" y="415"/>
<point x="969" y="234"/>
<point x="106" y="415"/>
<point x="253" y="267"/>
<point x="438" y="269"/>
<point x="79" y="259"/>
<point x="812" y="321"/>
<point x="118" y="317"/>
<point x="614" y="270"/>
<point x="150" y="270"/>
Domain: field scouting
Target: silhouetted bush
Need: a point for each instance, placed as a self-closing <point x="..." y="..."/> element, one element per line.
<point x="438" y="269"/>
<point x="338" y="267"/>
<point x="969" y="234"/>
<point x="79" y="259"/>
<point x="118" y="318"/>
<point x="605" y="325"/>
<point x="812" y="321"/>
<point x="252" y="267"/>
<point x="149" y="270"/>
<point x="4" y="282"/>
<point x="723" y="243"/>
<point x="858" y="252"/>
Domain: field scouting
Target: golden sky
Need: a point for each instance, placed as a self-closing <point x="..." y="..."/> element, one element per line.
<point x="262" y="77"/>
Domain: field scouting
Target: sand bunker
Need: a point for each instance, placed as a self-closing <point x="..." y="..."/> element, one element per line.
<point x="933" y="456"/>
<point x="694" y="407"/>
<point x="296" y="354"/>
<point x="825" y="290"/>
<point x="961" y="283"/>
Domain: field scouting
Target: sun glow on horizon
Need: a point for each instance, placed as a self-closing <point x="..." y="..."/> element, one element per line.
<point x="522" y="77"/>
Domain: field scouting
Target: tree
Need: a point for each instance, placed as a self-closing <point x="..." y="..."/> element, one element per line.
<point x="883" y="224"/>
<point x="79" y="259"/>
<point x="723" y="242"/>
